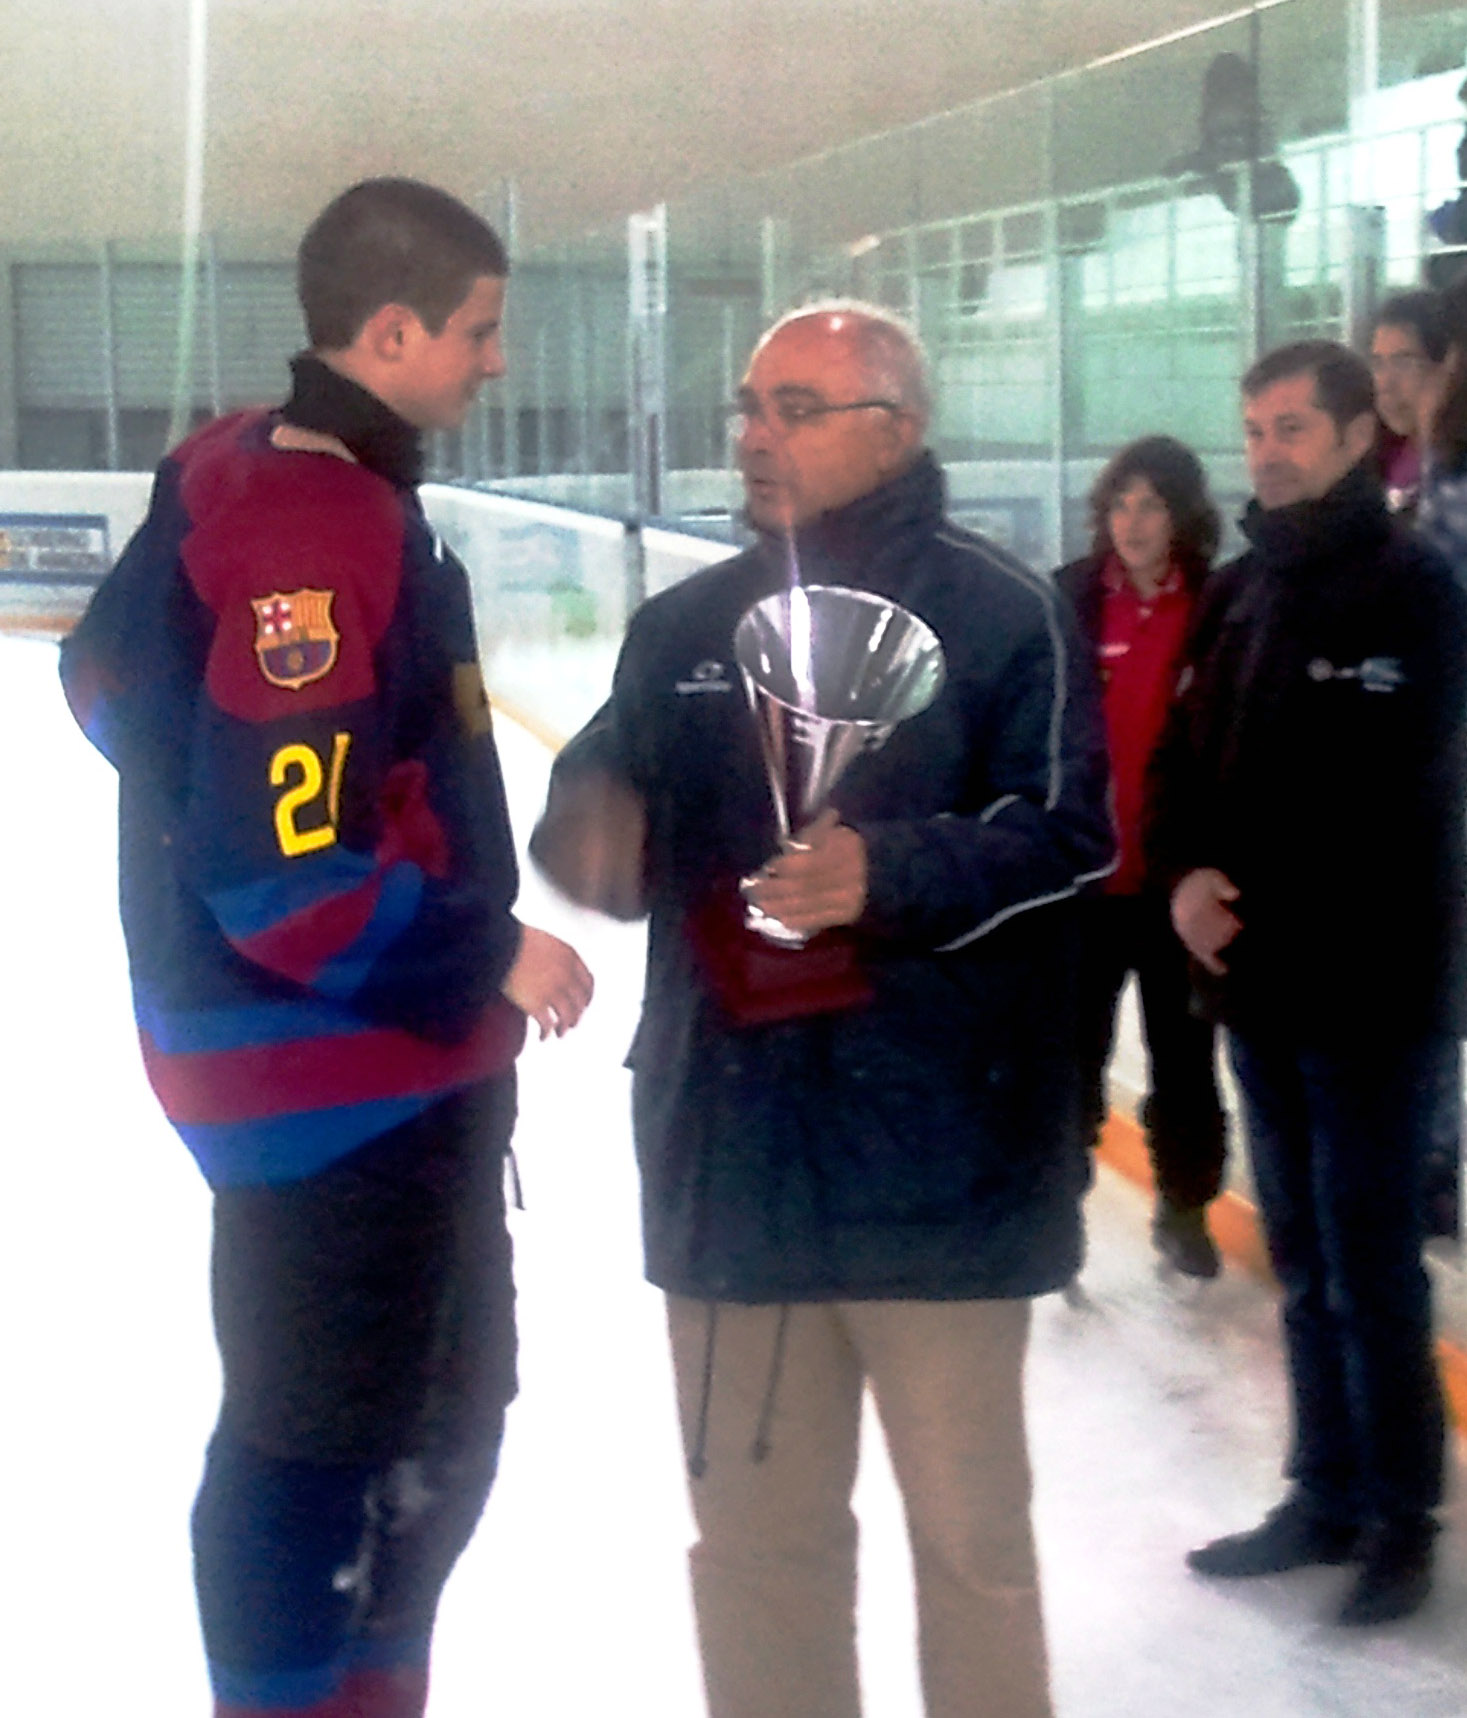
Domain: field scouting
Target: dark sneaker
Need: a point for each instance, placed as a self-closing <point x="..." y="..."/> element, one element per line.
<point x="1395" y="1573"/>
<point x="1181" y="1237"/>
<point x="1293" y="1536"/>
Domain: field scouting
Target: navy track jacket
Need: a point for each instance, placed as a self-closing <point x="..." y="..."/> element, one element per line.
<point x="923" y="1144"/>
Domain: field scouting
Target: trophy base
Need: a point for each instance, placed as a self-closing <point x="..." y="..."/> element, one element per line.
<point x="772" y="929"/>
<point x="759" y="979"/>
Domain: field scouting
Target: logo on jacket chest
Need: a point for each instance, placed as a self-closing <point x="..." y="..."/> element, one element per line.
<point x="708" y="676"/>
<point x="295" y="638"/>
<point x="1374" y="674"/>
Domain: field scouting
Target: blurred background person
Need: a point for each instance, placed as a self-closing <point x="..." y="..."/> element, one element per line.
<point x="1155" y="533"/>
<point x="1441" y="407"/>
<point x="1406" y="354"/>
<point x="1439" y="401"/>
<point x="1236" y="151"/>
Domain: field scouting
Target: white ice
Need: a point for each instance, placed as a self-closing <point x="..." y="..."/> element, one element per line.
<point x="1157" y="1409"/>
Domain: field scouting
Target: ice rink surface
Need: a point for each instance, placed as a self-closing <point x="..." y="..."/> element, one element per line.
<point x="1156" y="1407"/>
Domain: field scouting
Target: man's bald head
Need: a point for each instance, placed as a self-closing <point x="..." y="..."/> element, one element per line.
<point x="888" y="350"/>
<point x="833" y="406"/>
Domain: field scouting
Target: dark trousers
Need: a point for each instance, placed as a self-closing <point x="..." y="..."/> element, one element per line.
<point x="365" y="1320"/>
<point x="1443" y="1186"/>
<point x="1182" y="1113"/>
<point x="1338" y="1140"/>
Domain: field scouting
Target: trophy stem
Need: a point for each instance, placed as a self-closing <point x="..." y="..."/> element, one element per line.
<point x="829" y="672"/>
<point x="802" y="644"/>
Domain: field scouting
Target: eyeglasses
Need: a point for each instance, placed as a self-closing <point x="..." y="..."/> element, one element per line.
<point x="1398" y="363"/>
<point x="797" y="410"/>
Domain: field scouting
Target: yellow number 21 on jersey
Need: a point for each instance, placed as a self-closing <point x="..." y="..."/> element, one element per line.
<point x="298" y="769"/>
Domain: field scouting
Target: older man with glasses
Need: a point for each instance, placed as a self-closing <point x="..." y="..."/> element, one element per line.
<point x="1408" y="366"/>
<point x="1407" y="350"/>
<point x="862" y="1159"/>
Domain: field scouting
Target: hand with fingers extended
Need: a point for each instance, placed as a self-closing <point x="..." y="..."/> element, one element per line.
<point x="817" y="881"/>
<point x="549" y="982"/>
<point x="1203" y="916"/>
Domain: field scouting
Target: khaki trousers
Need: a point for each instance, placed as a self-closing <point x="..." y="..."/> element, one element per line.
<point x="774" y="1567"/>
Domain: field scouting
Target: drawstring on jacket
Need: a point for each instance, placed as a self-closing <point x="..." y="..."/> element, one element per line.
<point x="763" y="1441"/>
<point x="698" y="1456"/>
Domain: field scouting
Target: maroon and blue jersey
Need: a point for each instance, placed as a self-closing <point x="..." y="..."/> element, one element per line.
<point x="317" y="867"/>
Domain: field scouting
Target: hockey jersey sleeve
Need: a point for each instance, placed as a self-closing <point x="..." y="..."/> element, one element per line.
<point x="329" y="794"/>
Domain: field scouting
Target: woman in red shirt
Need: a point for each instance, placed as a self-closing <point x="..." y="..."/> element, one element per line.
<point x="1155" y="533"/>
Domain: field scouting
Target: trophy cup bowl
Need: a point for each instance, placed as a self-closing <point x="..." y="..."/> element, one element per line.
<point x="830" y="673"/>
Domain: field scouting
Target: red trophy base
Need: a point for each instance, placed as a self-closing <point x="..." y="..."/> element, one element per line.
<point x="758" y="982"/>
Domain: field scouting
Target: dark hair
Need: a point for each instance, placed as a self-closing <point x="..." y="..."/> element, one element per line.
<point x="1449" y="430"/>
<point x="1422" y="313"/>
<point x="391" y="241"/>
<point x="1176" y="474"/>
<point x="1343" y="385"/>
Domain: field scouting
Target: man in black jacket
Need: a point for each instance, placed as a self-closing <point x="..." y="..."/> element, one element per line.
<point x="863" y="1194"/>
<point x="1309" y="814"/>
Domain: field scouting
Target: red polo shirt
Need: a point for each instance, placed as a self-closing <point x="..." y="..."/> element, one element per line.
<point x="1140" y="642"/>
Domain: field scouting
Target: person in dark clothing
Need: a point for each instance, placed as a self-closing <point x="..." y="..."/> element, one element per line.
<point x="865" y="1194"/>
<point x="1309" y="813"/>
<point x="1236" y="154"/>
<point x="1447" y="223"/>
<point x="1408" y="352"/>
<point x="1155" y="532"/>
<point x="318" y="877"/>
<point x="1407" y="349"/>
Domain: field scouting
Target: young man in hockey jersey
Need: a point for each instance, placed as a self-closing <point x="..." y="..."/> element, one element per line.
<point x="318" y="877"/>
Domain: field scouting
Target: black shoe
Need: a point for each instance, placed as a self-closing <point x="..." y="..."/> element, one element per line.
<point x="1293" y="1536"/>
<point x="1395" y="1573"/>
<point x="1181" y="1237"/>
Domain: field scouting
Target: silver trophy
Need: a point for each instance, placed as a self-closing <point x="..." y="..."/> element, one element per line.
<point x="830" y="672"/>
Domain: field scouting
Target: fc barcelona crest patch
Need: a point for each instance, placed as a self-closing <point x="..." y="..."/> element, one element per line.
<point x="294" y="637"/>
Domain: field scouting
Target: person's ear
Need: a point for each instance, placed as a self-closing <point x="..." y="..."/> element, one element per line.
<point x="901" y="436"/>
<point x="387" y="332"/>
<point x="1360" y="434"/>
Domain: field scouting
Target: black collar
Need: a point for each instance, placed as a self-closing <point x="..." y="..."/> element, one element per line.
<point x="324" y="400"/>
<point x="864" y="526"/>
<point x="1348" y="523"/>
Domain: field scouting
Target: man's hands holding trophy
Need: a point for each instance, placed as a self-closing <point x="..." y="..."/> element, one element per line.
<point x="830" y="672"/>
<point x="817" y="880"/>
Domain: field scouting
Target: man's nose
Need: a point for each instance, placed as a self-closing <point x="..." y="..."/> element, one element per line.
<point x="753" y="428"/>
